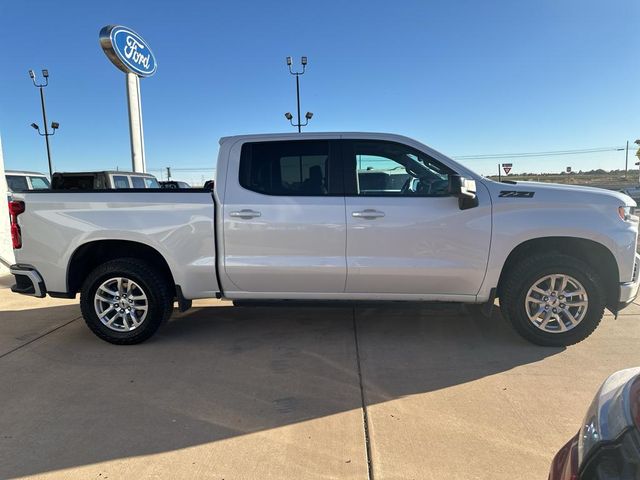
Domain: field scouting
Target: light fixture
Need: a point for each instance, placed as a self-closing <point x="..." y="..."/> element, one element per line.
<point x="308" y="115"/>
<point x="35" y="126"/>
<point x="55" y="125"/>
<point x="297" y="73"/>
<point x="32" y="74"/>
<point x="45" y="73"/>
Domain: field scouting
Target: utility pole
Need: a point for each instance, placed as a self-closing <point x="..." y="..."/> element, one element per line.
<point x="637" y="142"/>
<point x="626" y="160"/>
<point x="54" y="125"/>
<point x="168" y="173"/>
<point x="308" y="115"/>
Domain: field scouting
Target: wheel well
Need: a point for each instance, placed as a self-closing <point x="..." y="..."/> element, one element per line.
<point x="90" y="255"/>
<point x="593" y="253"/>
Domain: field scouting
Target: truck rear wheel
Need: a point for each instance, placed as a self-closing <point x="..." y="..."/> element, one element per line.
<point x="124" y="301"/>
<point x="553" y="299"/>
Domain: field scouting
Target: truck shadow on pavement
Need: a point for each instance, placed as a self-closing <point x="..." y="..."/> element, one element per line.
<point x="215" y="373"/>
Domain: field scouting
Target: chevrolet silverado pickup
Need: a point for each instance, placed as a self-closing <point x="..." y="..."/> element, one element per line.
<point x="332" y="217"/>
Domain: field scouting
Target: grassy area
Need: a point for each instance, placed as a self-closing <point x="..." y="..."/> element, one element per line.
<point x="613" y="179"/>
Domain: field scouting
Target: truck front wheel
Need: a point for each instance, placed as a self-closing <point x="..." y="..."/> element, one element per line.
<point x="553" y="299"/>
<point x="124" y="301"/>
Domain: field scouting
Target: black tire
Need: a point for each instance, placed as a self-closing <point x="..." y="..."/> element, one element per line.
<point x="521" y="278"/>
<point x="153" y="284"/>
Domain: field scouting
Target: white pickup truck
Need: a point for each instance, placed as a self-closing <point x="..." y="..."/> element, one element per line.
<point x="332" y="217"/>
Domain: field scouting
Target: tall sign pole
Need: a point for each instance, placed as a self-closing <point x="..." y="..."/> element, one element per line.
<point x="131" y="54"/>
<point x="136" y="132"/>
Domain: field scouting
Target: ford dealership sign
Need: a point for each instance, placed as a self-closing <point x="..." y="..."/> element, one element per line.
<point x="127" y="50"/>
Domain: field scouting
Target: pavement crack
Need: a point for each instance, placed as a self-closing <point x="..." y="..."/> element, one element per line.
<point x="39" y="337"/>
<point x="363" y="403"/>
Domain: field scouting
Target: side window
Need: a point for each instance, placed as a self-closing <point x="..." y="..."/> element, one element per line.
<point x="39" y="183"/>
<point x="17" y="183"/>
<point x="379" y="168"/>
<point x="137" y="182"/>
<point x="293" y="168"/>
<point x="151" y="182"/>
<point x="120" y="181"/>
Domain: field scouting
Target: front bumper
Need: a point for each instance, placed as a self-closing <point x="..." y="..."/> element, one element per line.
<point x="28" y="281"/>
<point x="629" y="290"/>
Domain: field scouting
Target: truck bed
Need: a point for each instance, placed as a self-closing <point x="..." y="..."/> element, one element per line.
<point x="178" y="224"/>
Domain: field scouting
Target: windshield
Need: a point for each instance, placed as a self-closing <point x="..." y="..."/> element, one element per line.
<point x="151" y="182"/>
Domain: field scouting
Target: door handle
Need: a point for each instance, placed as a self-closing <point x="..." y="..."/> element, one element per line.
<point x="245" y="214"/>
<point x="368" y="214"/>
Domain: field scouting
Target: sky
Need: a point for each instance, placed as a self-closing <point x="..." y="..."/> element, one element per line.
<point x="468" y="78"/>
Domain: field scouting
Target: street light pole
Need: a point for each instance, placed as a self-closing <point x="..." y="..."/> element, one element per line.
<point x="46" y="130"/>
<point x="297" y="74"/>
<point x="298" y="100"/>
<point x="54" y="125"/>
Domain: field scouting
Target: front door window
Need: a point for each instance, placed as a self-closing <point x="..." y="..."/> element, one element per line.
<point x="389" y="169"/>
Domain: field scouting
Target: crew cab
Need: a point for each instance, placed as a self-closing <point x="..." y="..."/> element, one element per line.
<point x="300" y="217"/>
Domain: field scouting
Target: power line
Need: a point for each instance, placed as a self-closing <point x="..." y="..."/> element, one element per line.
<point x="539" y="154"/>
<point x="488" y="156"/>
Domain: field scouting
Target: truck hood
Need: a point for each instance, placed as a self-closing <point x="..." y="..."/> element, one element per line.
<point x="576" y="193"/>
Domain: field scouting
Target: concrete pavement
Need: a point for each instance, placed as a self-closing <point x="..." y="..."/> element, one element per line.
<point x="278" y="393"/>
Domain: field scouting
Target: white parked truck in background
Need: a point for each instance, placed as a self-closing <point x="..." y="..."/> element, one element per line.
<point x="102" y="180"/>
<point x="302" y="217"/>
<point x="18" y="181"/>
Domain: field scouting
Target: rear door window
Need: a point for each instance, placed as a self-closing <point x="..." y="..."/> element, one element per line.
<point x="292" y="168"/>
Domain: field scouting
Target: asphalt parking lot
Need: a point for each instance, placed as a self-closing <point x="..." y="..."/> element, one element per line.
<point x="222" y="392"/>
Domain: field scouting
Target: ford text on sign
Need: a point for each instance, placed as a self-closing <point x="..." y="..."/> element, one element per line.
<point x="127" y="50"/>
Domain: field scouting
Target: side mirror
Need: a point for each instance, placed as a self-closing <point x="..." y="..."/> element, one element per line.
<point x="465" y="190"/>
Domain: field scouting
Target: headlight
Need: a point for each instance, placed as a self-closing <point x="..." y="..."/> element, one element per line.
<point x="626" y="214"/>
<point x="609" y="414"/>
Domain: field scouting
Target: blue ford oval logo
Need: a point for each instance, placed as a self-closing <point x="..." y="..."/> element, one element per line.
<point x="127" y="50"/>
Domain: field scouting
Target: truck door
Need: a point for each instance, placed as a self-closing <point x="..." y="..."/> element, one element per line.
<point x="284" y="218"/>
<point x="405" y="234"/>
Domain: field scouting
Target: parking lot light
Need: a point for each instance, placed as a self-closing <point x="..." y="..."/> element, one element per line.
<point x="46" y="134"/>
<point x="303" y="61"/>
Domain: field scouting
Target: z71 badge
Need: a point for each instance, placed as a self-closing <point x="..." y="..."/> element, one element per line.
<point x="516" y="194"/>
